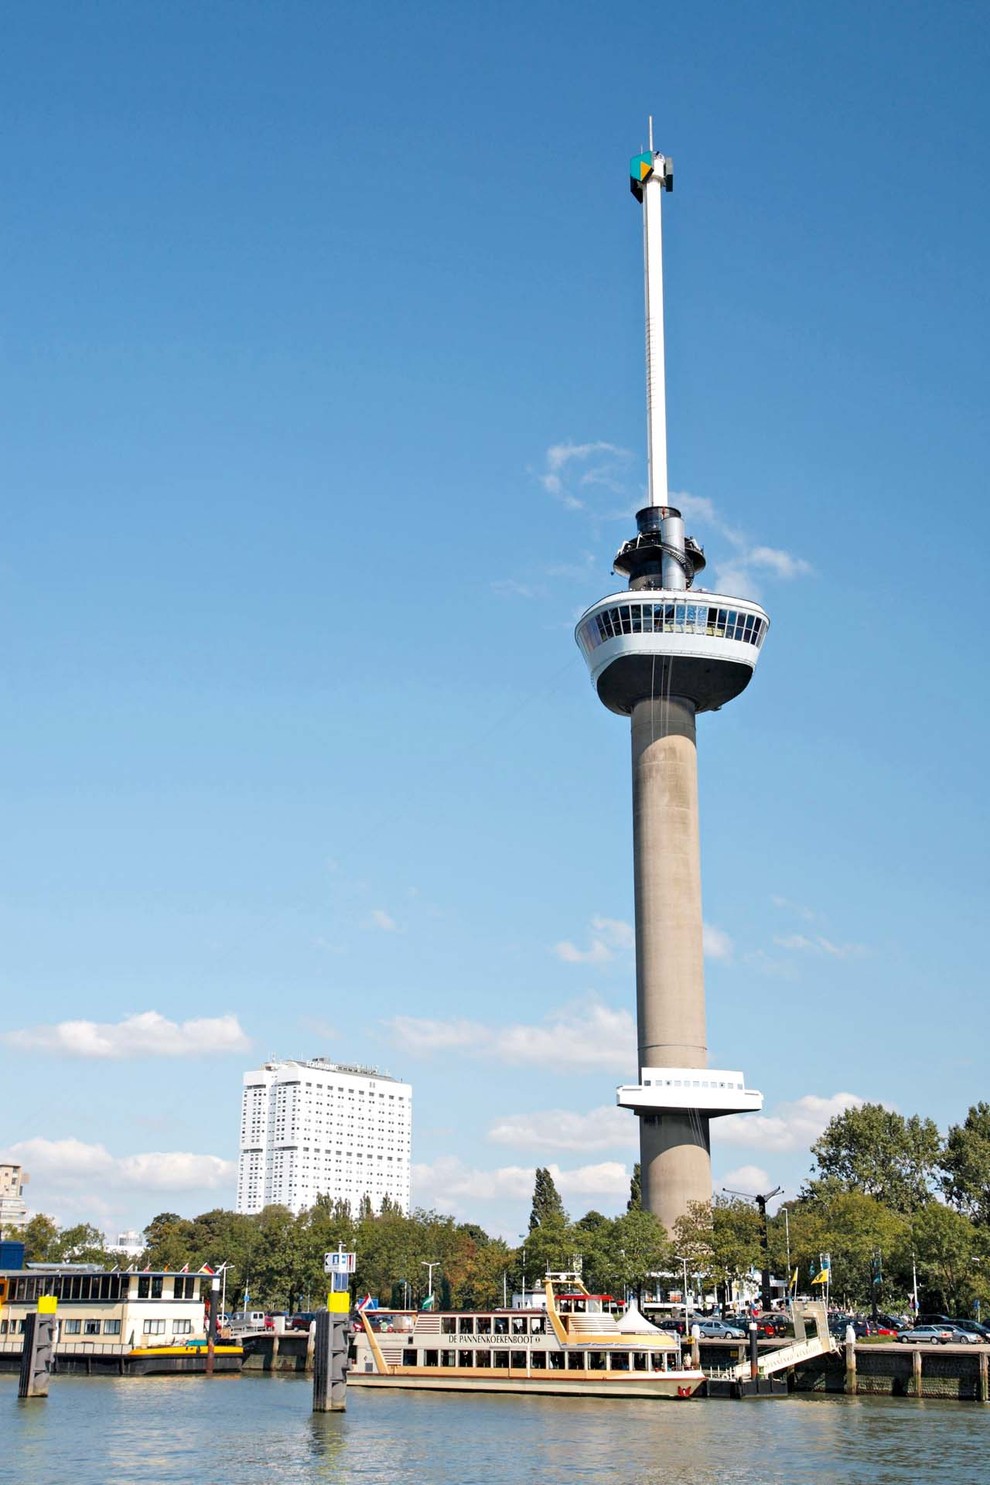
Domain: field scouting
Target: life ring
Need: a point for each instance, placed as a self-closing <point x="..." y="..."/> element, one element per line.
<point x="684" y="1391"/>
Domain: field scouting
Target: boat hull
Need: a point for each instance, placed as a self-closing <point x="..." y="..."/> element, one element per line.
<point x="674" y="1385"/>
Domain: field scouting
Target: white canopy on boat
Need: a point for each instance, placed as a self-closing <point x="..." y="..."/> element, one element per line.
<point x="634" y="1322"/>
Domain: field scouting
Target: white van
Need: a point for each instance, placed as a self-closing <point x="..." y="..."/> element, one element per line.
<point x="244" y="1320"/>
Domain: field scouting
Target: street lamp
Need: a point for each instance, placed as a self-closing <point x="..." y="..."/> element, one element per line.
<point x="687" y="1302"/>
<point x="431" y="1266"/>
<point x="761" y="1202"/>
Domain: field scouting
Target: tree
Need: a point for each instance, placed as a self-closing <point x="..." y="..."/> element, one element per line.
<point x="167" y="1239"/>
<point x="639" y="1249"/>
<point x="721" y="1240"/>
<point x="951" y="1256"/>
<point x="39" y="1237"/>
<point x="82" y="1243"/>
<point x="635" y="1189"/>
<point x="877" y="1151"/>
<point x="966" y="1164"/>
<point x="853" y="1228"/>
<point x="547" y="1205"/>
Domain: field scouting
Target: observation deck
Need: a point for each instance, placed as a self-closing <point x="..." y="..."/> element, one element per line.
<point x="656" y="642"/>
<point x="707" y="1091"/>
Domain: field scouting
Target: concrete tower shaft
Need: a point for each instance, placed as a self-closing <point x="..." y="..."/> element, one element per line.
<point x="670" y="977"/>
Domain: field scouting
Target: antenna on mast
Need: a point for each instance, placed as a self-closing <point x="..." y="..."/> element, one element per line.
<point x="650" y="174"/>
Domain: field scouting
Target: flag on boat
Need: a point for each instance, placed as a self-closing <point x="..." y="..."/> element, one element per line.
<point x="206" y="1269"/>
<point x="825" y="1269"/>
<point x="367" y="1303"/>
<point x="428" y="1302"/>
<point x="184" y="1269"/>
<point x="794" y="1279"/>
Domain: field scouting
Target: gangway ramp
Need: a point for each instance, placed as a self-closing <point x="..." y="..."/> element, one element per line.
<point x="812" y="1338"/>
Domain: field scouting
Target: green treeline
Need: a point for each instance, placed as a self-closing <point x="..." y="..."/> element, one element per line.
<point x="887" y="1197"/>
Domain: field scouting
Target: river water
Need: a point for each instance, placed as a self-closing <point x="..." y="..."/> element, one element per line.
<point x="261" y="1431"/>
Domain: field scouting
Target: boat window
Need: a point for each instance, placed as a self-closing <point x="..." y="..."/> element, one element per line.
<point x="484" y="1324"/>
<point x="596" y="1361"/>
<point x="575" y="1361"/>
<point x="409" y="1356"/>
<point x="448" y="1358"/>
<point x="181" y="1327"/>
<point x="519" y="1326"/>
<point x="448" y="1324"/>
<point x="70" y="1327"/>
<point x="465" y="1358"/>
<point x="620" y="1361"/>
<point x="502" y="1360"/>
<point x="501" y="1325"/>
<point x="482" y="1358"/>
<point x="431" y="1358"/>
<point x="537" y="1325"/>
<point x="659" y="1360"/>
<point x="152" y="1327"/>
<point x="519" y="1359"/>
<point x="639" y="1361"/>
<point x="538" y="1361"/>
<point x="466" y="1325"/>
<point x="556" y="1359"/>
<point x="144" y="1286"/>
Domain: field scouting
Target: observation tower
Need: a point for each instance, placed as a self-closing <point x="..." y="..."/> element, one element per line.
<point x="660" y="652"/>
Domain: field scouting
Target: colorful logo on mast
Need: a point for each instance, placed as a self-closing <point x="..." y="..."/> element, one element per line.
<point x="640" y="170"/>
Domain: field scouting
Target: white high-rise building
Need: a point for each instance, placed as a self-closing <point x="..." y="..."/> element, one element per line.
<point x="322" y="1128"/>
<point x="13" y="1210"/>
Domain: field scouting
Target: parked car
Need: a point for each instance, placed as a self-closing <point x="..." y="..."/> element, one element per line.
<point x="773" y="1325"/>
<point x="960" y="1337"/>
<point x="982" y="1332"/>
<point x="838" y="1325"/>
<point x="930" y="1335"/>
<point x="720" y="1330"/>
<point x="303" y="1320"/>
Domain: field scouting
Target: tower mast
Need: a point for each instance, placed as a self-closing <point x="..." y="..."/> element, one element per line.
<point x="659" y="179"/>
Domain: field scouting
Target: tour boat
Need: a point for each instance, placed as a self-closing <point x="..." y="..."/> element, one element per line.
<point x="575" y="1347"/>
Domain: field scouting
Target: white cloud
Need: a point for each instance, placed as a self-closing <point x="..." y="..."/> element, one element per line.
<point x="808" y="914"/>
<point x="587" y="1034"/>
<point x="59" y="1165"/>
<point x="608" y="937"/>
<point x="570" y="463"/>
<point x="792" y="1126"/>
<point x="597" y="952"/>
<point x="716" y="943"/>
<point x="819" y="945"/>
<point x="511" y="588"/>
<point x="560" y="1129"/>
<point x="738" y="571"/>
<point x="147" y="1034"/>
<point x="448" y="1184"/>
<point x="379" y="918"/>
<point x="420" y="1035"/>
<point x="749" y="1179"/>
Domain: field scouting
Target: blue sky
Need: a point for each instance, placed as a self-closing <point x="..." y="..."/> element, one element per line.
<point x="322" y="421"/>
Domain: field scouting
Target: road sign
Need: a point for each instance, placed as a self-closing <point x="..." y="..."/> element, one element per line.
<point x="339" y="1263"/>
